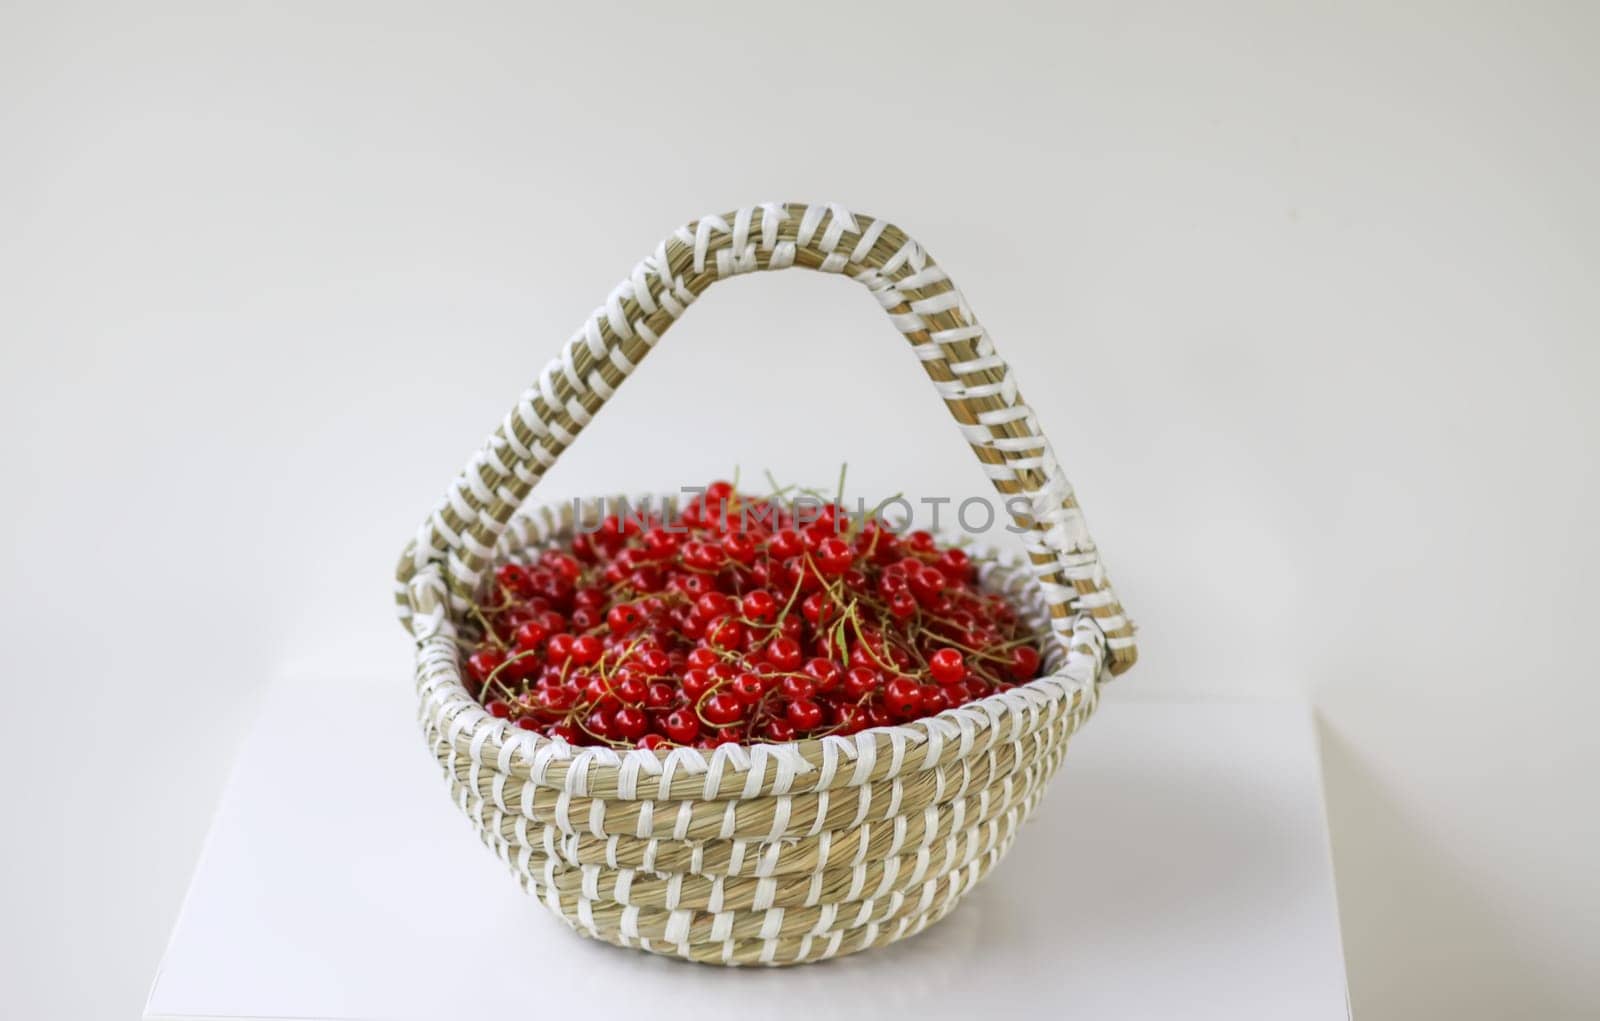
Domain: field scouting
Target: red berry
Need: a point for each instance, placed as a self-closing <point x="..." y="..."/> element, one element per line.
<point x="797" y="686"/>
<point x="713" y="605"/>
<point x="531" y="635"/>
<point x="785" y="544"/>
<point x="723" y="707"/>
<point x="1024" y="662"/>
<point x="659" y="695"/>
<point x="559" y="648"/>
<point x="520" y="665"/>
<point x="824" y="674"/>
<point x="630" y="688"/>
<point x="646" y="579"/>
<point x="953" y="564"/>
<point x="748" y="688"/>
<point x="551" y="621"/>
<point x="741" y="549"/>
<point x="598" y="723"/>
<point x="818" y="608"/>
<point x="903" y="604"/>
<point x="623" y="618"/>
<point x="650" y="742"/>
<point x="803" y="714"/>
<point x="600" y="693"/>
<point x="784" y="653"/>
<point x="565" y="567"/>
<point x="586" y="650"/>
<point x="558" y="699"/>
<point x="760" y="606"/>
<point x="861" y="681"/>
<point x="652" y="662"/>
<point x="725" y="633"/>
<point x="697" y="682"/>
<point x="527" y="723"/>
<point x="903" y="697"/>
<point x="514" y="579"/>
<point x="780" y="731"/>
<point x="629" y="723"/>
<point x="834" y="556"/>
<point x="499" y="709"/>
<point x="704" y="556"/>
<point x="848" y="718"/>
<point x="483" y="663"/>
<point x="927" y="583"/>
<point x="947" y="666"/>
<point x="681" y="726"/>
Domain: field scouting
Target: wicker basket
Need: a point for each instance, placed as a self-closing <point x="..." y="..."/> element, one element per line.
<point x="769" y="854"/>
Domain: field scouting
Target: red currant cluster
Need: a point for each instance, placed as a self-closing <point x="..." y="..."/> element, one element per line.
<point x="741" y="620"/>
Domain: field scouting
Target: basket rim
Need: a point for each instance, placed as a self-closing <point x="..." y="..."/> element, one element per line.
<point x="740" y="770"/>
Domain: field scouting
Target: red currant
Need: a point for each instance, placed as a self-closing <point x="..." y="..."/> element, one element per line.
<point x="1024" y="664"/>
<point x="861" y="681"/>
<point x="797" y="686"/>
<point x="803" y="714"/>
<point x="723" y="707"/>
<point x="558" y="649"/>
<point x="483" y="663"/>
<point x="697" y="682"/>
<point x="748" y="688"/>
<point x="760" y="606"/>
<point x="514" y="579"/>
<point x="834" y="556"/>
<point x="681" y="726"/>
<point x="741" y="549"/>
<point x="623" y="618"/>
<point x="725" y="633"/>
<point x="947" y="667"/>
<point x="586" y="650"/>
<point x="713" y="605"/>
<point x="785" y="544"/>
<point x="629" y="723"/>
<point x="784" y="653"/>
<point x="824" y="674"/>
<point x="903" y="697"/>
<point x="652" y="662"/>
<point x="848" y="718"/>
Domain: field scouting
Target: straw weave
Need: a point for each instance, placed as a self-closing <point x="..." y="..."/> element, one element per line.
<point x="770" y="854"/>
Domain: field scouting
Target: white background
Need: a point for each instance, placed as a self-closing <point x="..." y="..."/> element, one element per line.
<point x="1305" y="296"/>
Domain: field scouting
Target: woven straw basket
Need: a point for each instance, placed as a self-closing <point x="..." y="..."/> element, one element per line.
<point x="769" y="854"/>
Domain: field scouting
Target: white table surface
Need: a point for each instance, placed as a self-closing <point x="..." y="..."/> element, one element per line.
<point x="1178" y="868"/>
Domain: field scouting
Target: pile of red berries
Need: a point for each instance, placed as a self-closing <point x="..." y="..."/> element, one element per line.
<point x="740" y="620"/>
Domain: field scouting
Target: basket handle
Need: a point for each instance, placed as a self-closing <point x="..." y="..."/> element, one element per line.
<point x="456" y="544"/>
